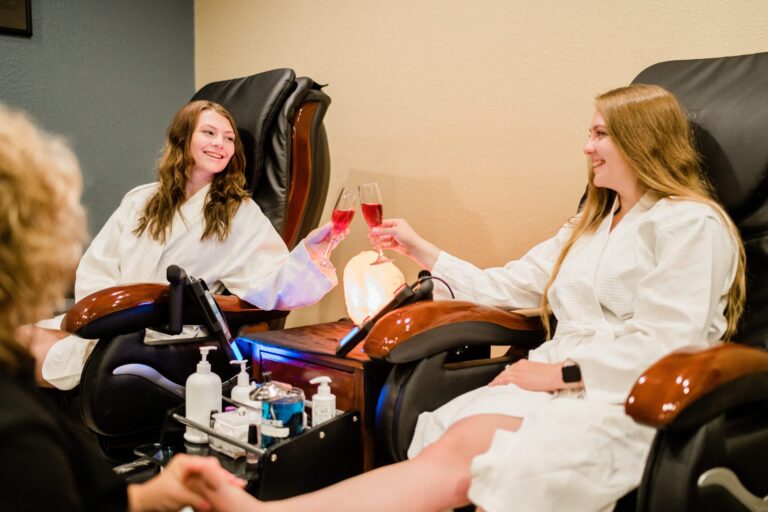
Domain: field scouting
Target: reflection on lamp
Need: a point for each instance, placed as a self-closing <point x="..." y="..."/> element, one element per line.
<point x="368" y="287"/>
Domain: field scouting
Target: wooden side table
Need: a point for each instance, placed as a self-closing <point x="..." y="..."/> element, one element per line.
<point x="300" y="354"/>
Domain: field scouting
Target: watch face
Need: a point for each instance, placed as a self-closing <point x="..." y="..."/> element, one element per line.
<point x="571" y="373"/>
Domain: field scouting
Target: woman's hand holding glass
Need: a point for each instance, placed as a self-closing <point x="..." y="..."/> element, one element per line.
<point x="373" y="210"/>
<point x="398" y="235"/>
<point x="325" y="238"/>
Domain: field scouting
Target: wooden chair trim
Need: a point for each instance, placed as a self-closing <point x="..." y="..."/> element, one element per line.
<point x="398" y="326"/>
<point x="120" y="298"/>
<point x="684" y="376"/>
<point x="301" y="170"/>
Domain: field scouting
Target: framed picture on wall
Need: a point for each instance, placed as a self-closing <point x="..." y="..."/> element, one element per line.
<point x="16" y="17"/>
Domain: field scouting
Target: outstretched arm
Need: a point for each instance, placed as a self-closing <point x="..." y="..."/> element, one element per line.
<point x="398" y="235"/>
<point x="518" y="284"/>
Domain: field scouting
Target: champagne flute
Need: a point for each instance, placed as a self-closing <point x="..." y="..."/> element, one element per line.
<point x="371" y="204"/>
<point x="343" y="211"/>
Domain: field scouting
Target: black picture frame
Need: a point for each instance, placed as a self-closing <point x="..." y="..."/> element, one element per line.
<point x="16" y="17"/>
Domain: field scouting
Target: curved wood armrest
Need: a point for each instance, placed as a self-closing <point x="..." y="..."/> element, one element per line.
<point x="112" y="300"/>
<point x="400" y="325"/>
<point x="122" y="298"/>
<point x="676" y="381"/>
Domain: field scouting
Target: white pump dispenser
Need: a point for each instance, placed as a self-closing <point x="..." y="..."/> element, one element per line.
<point x="203" y="395"/>
<point x="241" y="393"/>
<point x="323" y="402"/>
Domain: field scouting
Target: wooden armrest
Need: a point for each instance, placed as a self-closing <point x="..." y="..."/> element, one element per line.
<point x="126" y="297"/>
<point x="395" y="328"/>
<point x="112" y="300"/>
<point x="669" y="388"/>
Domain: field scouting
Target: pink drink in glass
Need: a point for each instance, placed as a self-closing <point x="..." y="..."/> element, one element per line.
<point x="341" y="219"/>
<point x="343" y="211"/>
<point x="372" y="212"/>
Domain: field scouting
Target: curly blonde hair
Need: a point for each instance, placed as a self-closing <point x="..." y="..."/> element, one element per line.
<point x="42" y="227"/>
<point x="174" y="168"/>
<point x="650" y="128"/>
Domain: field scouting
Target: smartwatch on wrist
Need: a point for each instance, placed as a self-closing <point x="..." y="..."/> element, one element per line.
<point x="571" y="373"/>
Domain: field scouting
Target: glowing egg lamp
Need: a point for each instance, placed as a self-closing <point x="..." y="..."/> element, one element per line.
<point x="368" y="287"/>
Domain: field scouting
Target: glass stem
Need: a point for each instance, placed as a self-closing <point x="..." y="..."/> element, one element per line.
<point x="328" y="248"/>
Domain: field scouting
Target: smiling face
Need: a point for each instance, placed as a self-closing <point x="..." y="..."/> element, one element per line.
<point x="211" y="146"/>
<point x="609" y="166"/>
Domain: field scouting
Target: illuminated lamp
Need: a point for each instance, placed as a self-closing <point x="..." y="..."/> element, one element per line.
<point x="368" y="287"/>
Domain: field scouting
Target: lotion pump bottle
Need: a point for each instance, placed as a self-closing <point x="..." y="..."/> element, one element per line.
<point x="203" y="395"/>
<point x="241" y="393"/>
<point x="323" y="402"/>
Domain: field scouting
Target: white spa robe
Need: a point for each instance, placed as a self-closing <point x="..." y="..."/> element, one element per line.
<point x="252" y="263"/>
<point x="623" y="299"/>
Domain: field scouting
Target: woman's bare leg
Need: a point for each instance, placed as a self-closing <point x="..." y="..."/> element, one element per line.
<point x="39" y="341"/>
<point x="436" y="479"/>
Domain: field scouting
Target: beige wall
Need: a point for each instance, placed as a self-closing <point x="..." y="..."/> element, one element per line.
<point x="471" y="115"/>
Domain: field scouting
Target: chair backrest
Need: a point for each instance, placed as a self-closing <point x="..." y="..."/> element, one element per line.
<point x="280" y="120"/>
<point x="727" y="103"/>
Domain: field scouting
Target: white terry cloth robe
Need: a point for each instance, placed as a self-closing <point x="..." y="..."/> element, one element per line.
<point x="252" y="263"/>
<point x="623" y="299"/>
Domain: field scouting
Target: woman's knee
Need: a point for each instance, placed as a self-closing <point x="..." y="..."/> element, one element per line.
<point x="468" y="437"/>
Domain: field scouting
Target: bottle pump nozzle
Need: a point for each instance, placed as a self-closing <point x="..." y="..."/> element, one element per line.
<point x="324" y="389"/>
<point x="242" y="377"/>
<point x="204" y="366"/>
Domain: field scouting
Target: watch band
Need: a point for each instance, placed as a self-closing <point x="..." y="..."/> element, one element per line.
<point x="571" y="373"/>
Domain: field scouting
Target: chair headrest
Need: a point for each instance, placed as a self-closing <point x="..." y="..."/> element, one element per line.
<point x="265" y="108"/>
<point x="727" y="102"/>
<point x="253" y="101"/>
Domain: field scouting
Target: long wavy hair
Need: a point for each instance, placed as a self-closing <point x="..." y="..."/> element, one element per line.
<point x="175" y="167"/>
<point x="650" y="129"/>
<point x="42" y="228"/>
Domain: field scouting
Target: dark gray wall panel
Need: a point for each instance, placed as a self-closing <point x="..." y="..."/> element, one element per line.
<point x="108" y="75"/>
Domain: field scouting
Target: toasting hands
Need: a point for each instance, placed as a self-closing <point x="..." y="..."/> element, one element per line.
<point x="322" y="238"/>
<point x="398" y="235"/>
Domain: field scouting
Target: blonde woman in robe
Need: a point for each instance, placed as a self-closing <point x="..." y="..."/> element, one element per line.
<point x="652" y="263"/>
<point x="198" y="216"/>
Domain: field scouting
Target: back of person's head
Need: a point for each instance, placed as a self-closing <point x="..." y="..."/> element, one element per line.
<point x="42" y="226"/>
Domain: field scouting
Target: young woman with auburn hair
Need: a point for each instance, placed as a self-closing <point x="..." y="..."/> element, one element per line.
<point x="198" y="216"/>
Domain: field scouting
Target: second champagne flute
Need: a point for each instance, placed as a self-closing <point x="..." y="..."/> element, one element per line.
<point x="370" y="203"/>
<point x="343" y="211"/>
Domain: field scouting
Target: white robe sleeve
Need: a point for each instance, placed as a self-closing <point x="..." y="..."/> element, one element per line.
<point x="518" y="284"/>
<point x="676" y="305"/>
<point x="99" y="267"/>
<point x="262" y="271"/>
